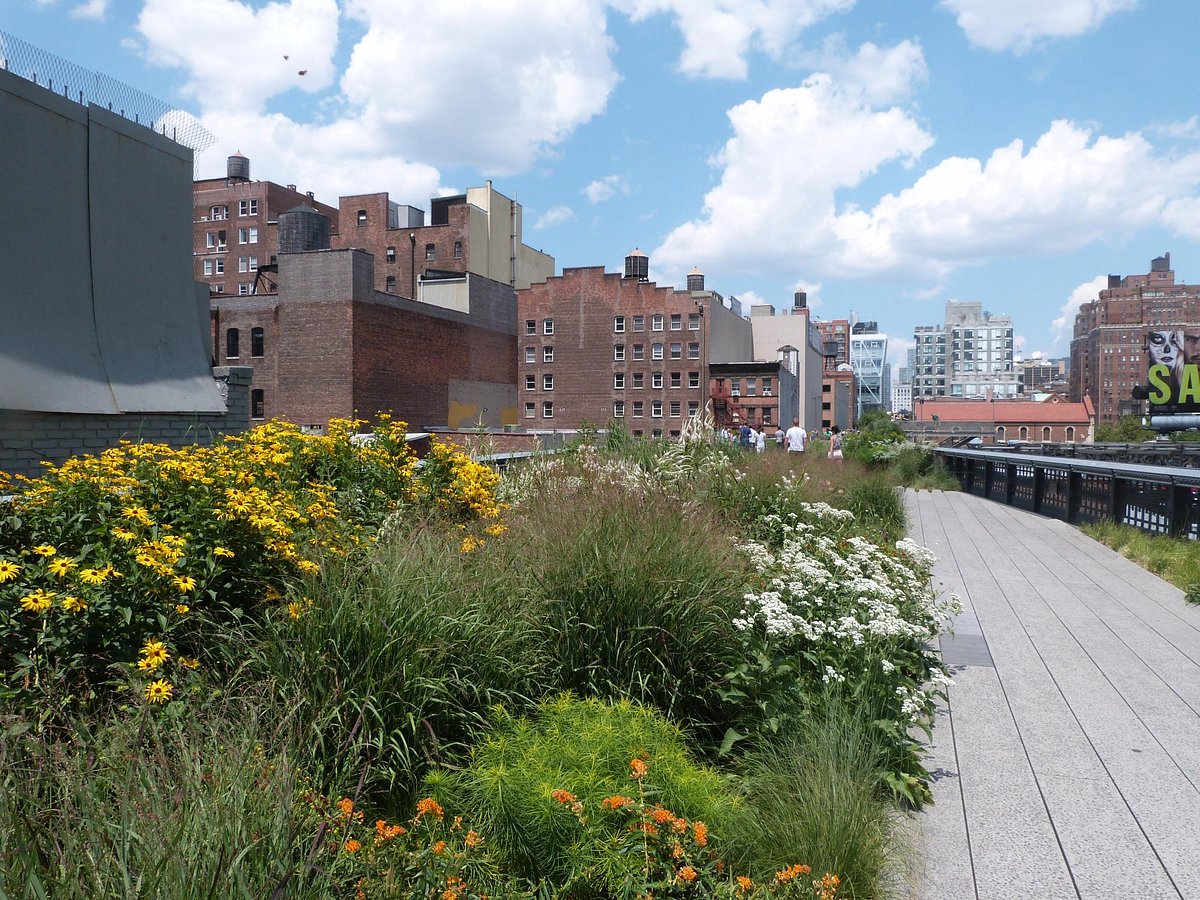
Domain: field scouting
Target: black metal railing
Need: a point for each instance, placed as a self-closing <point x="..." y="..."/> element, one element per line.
<point x="1158" y="499"/>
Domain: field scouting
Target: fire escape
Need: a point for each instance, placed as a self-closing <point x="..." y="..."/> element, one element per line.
<point x="727" y="408"/>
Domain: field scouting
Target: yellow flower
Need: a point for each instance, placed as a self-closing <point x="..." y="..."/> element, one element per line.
<point x="158" y="691"/>
<point x="184" y="583"/>
<point x="124" y="534"/>
<point x="92" y="576"/>
<point x="45" y="550"/>
<point x="62" y="566"/>
<point x="38" y="601"/>
<point x="222" y="551"/>
<point x="189" y="663"/>
<point x="182" y="609"/>
<point x="470" y="543"/>
<point x="8" y="570"/>
<point x="73" y="604"/>
<point x="295" y="610"/>
<point x="307" y="565"/>
<point x="154" y="654"/>
<point x="496" y="529"/>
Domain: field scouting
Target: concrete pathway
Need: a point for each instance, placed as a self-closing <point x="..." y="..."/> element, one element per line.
<point x="1067" y="763"/>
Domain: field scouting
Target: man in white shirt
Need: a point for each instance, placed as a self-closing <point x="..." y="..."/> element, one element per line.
<point x="796" y="439"/>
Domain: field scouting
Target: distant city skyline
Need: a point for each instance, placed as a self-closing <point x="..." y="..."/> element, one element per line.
<point x="883" y="161"/>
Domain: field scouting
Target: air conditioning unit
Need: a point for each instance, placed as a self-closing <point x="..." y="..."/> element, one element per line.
<point x="767" y="394"/>
<point x="736" y="393"/>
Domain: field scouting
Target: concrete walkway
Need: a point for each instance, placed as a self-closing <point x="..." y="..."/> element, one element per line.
<point x="1067" y="763"/>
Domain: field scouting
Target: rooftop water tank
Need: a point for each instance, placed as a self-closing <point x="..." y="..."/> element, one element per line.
<point x="637" y="265"/>
<point x="237" y="167"/>
<point x="695" y="279"/>
<point x="303" y="228"/>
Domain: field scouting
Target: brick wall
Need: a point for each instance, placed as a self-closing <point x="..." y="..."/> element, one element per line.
<point x="28" y="438"/>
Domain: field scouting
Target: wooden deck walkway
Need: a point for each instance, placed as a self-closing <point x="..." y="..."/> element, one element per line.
<point x="1067" y="763"/>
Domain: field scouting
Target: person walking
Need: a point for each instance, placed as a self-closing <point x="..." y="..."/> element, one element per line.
<point x="761" y="443"/>
<point x="835" y="444"/>
<point x="796" y="438"/>
<point x="780" y="434"/>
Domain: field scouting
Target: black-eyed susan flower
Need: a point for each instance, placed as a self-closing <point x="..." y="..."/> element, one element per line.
<point x="8" y="570"/>
<point x="38" y="601"/>
<point x="183" y="609"/>
<point x="124" y="534"/>
<point x="74" y="604"/>
<point x="45" y="550"/>
<point x="154" y="654"/>
<point x="62" y="566"/>
<point x="184" y="583"/>
<point x="159" y="691"/>
<point x="93" y="576"/>
<point x="222" y="551"/>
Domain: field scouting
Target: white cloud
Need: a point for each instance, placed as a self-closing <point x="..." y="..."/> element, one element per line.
<point x="719" y="34"/>
<point x="790" y="152"/>
<point x="883" y="74"/>
<point x="1187" y="130"/>
<point x="897" y="351"/>
<point x="1020" y="24"/>
<point x="553" y="216"/>
<point x="605" y="188"/>
<point x="1064" y="326"/>
<point x="91" y="9"/>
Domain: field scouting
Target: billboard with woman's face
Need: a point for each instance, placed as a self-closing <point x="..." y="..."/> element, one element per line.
<point x="1174" y="372"/>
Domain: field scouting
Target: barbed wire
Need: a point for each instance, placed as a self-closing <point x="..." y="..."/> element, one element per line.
<point x="84" y="86"/>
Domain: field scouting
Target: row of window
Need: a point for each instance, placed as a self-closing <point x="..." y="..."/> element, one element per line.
<point x="638" y="323"/>
<point x="674" y="409"/>
<point x="637" y="381"/>
<point x="735" y="386"/>
<point x="217" y="266"/>
<point x="656" y="351"/>
<point x="430" y="252"/>
<point x="245" y="288"/>
<point x="245" y="208"/>
<point x="216" y="240"/>
<point x="1023" y="433"/>
<point x="233" y="343"/>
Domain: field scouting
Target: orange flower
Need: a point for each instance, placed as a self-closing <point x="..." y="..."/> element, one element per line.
<point x="616" y="801"/>
<point x="700" y="833"/>
<point x="385" y="832"/>
<point x="791" y="873"/>
<point x="429" y="807"/>
<point x="346" y="805"/>
<point x="663" y="816"/>
<point x="637" y="768"/>
<point x="439" y="848"/>
<point x="561" y="796"/>
<point x="352" y="846"/>
<point x="687" y="873"/>
<point x="471" y="839"/>
<point x="744" y="883"/>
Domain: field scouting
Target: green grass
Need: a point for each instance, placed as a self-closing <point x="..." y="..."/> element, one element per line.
<point x="1172" y="559"/>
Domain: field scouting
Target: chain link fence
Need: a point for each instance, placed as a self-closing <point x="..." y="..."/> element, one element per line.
<point x="85" y="86"/>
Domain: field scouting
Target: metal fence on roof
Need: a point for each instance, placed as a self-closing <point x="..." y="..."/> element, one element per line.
<point x="84" y="86"/>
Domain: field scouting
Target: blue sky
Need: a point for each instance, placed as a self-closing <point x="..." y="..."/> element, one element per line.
<point x="885" y="155"/>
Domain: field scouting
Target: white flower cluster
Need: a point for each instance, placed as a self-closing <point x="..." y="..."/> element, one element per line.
<point x="922" y="556"/>
<point x="561" y="475"/>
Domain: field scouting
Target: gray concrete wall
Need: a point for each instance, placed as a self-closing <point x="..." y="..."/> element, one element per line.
<point x="99" y="300"/>
<point x="28" y="437"/>
<point x="730" y="338"/>
<point x="812" y="367"/>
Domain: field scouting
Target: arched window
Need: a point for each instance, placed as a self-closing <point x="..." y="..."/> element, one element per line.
<point x="1070" y="434"/>
<point x="1046" y="433"/>
<point x="362" y="217"/>
<point x="1001" y="434"/>
<point x="1023" y="434"/>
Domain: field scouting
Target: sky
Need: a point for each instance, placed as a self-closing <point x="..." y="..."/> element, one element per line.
<point x="883" y="155"/>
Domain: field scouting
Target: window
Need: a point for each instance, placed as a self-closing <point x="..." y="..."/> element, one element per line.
<point x="214" y="240"/>
<point x="656" y="433"/>
<point x="548" y="409"/>
<point x="531" y="382"/>
<point x="639" y="351"/>
<point x="231" y="343"/>
<point x="767" y="383"/>
<point x="735" y="387"/>
<point x="618" y="409"/>
<point x="458" y="249"/>
<point x="531" y="410"/>
<point x="751" y="387"/>
<point x="256" y="404"/>
<point x="219" y="212"/>
<point x="619" y="352"/>
<point x="1000" y="433"/>
<point x="676" y="322"/>
<point x="694" y="322"/>
<point x="256" y="342"/>
<point x="248" y="235"/>
<point x="676" y="379"/>
<point x="391" y="254"/>
<point x="638" y="380"/>
<point x="547" y="326"/>
<point x="1070" y="434"/>
<point x="1046" y="433"/>
<point x="694" y="410"/>
<point x="247" y="263"/>
<point x="1024" y="433"/>
<point x="547" y="354"/>
<point x="656" y="409"/>
<point x="656" y="380"/>
<point x="693" y="379"/>
<point x="656" y="351"/>
<point x="766" y="415"/>
<point x="656" y="323"/>
<point x="639" y="408"/>
<point x="430" y="251"/>
<point x="216" y="288"/>
<point x="362" y="217"/>
<point x="530" y="326"/>
<point x="391" y="284"/>
<point x="208" y="267"/>
<point x="675" y="409"/>
<point x="694" y="350"/>
<point x="676" y="351"/>
<point x="639" y="323"/>
<point x="619" y="381"/>
<point x="547" y="382"/>
<point x="618" y="323"/>
<point x="245" y="288"/>
<point x="247" y="207"/>
<point x="530" y="355"/>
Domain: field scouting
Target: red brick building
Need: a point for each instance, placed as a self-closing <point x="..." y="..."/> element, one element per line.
<point x="839" y="389"/>
<point x="1108" y="350"/>
<point x="1053" y="420"/>
<point x="594" y="346"/>
<point x="761" y="394"/>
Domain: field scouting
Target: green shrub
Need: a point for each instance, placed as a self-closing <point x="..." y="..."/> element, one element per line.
<point x="584" y="747"/>
<point x="813" y="795"/>
<point x="877" y="506"/>
<point x="404" y="653"/>
<point x="633" y="595"/>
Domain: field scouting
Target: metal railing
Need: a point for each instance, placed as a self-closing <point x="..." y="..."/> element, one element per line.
<point x="1157" y="499"/>
<point x="84" y="86"/>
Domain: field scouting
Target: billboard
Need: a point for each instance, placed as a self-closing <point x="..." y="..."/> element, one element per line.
<point x="1174" y="372"/>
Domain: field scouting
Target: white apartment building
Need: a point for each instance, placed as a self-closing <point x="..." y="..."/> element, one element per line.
<point x="971" y="355"/>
